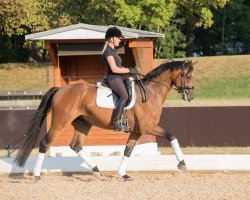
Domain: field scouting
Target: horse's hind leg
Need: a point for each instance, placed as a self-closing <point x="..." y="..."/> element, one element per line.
<point x="40" y="158"/>
<point x="82" y="128"/>
<point x="43" y="148"/>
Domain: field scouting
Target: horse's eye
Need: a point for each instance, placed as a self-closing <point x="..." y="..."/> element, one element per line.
<point x="188" y="77"/>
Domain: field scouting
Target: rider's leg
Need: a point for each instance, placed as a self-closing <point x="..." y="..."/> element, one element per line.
<point x="117" y="114"/>
<point x="118" y="87"/>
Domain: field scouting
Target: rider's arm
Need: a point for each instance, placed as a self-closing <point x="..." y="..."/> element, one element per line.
<point x="114" y="68"/>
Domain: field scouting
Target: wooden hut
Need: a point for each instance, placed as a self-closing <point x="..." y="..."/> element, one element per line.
<point x="75" y="52"/>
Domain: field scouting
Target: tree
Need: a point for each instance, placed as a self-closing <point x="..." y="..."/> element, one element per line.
<point x="196" y="13"/>
<point x="230" y="33"/>
<point x="17" y="18"/>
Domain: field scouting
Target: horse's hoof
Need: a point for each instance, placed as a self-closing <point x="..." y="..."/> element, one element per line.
<point x="97" y="175"/>
<point x="127" y="178"/>
<point x="182" y="166"/>
<point x="37" y="179"/>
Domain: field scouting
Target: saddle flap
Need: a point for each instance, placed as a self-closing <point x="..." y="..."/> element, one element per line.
<point x="105" y="98"/>
<point x="101" y="86"/>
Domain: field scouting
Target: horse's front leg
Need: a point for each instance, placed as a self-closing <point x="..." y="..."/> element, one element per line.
<point x="133" y="138"/>
<point x="160" y="132"/>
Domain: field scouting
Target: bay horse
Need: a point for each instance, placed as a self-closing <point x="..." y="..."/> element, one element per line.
<point x="75" y="104"/>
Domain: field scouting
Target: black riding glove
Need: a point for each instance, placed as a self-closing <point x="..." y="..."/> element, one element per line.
<point x="133" y="71"/>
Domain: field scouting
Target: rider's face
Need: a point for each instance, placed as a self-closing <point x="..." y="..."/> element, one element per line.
<point x="116" y="41"/>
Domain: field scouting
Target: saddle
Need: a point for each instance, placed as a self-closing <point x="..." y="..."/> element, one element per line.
<point x="105" y="98"/>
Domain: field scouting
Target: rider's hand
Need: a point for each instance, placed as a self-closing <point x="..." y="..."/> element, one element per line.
<point x="133" y="71"/>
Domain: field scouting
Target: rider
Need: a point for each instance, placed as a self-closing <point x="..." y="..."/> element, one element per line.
<point x="115" y="71"/>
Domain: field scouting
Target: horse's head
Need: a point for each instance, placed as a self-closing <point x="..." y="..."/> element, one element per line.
<point x="183" y="80"/>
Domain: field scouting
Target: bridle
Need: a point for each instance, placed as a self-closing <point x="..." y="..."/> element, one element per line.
<point x="182" y="89"/>
<point x="183" y="86"/>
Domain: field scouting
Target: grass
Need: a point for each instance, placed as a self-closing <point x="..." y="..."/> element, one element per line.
<point x="232" y="88"/>
<point x="24" y="76"/>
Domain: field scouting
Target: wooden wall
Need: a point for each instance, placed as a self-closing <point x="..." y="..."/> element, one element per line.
<point x="81" y="68"/>
<point x="143" y="55"/>
<point x="192" y="126"/>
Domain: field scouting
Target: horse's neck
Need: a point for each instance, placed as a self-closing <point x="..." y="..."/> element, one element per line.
<point x="160" y="87"/>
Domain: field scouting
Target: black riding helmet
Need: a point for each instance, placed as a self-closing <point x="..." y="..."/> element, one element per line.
<point x="113" y="32"/>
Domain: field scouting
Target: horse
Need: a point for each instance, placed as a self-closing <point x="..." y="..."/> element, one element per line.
<point x="74" y="104"/>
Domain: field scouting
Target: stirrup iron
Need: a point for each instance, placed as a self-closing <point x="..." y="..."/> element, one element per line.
<point x="125" y="122"/>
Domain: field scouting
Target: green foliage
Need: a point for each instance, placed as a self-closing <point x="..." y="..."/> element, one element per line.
<point x="177" y="19"/>
<point x="196" y="13"/>
<point x="19" y="17"/>
<point x="230" y="34"/>
<point x="173" y="45"/>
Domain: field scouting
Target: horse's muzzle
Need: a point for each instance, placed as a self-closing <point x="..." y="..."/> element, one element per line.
<point x="187" y="94"/>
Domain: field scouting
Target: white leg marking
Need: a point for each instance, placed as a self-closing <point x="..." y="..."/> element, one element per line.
<point x="39" y="162"/>
<point x="177" y="150"/>
<point x="123" y="165"/>
<point x="84" y="156"/>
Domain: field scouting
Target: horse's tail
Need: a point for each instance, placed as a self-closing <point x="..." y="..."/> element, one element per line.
<point x="29" y="139"/>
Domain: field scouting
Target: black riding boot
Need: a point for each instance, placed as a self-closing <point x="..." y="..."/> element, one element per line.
<point x="117" y="115"/>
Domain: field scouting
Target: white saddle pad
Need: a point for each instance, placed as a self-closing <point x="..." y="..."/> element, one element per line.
<point x="106" y="99"/>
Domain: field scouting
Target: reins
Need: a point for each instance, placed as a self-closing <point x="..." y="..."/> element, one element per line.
<point x="144" y="94"/>
<point x="142" y="75"/>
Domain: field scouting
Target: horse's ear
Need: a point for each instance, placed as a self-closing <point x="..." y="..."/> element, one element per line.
<point x="194" y="63"/>
<point x="188" y="63"/>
